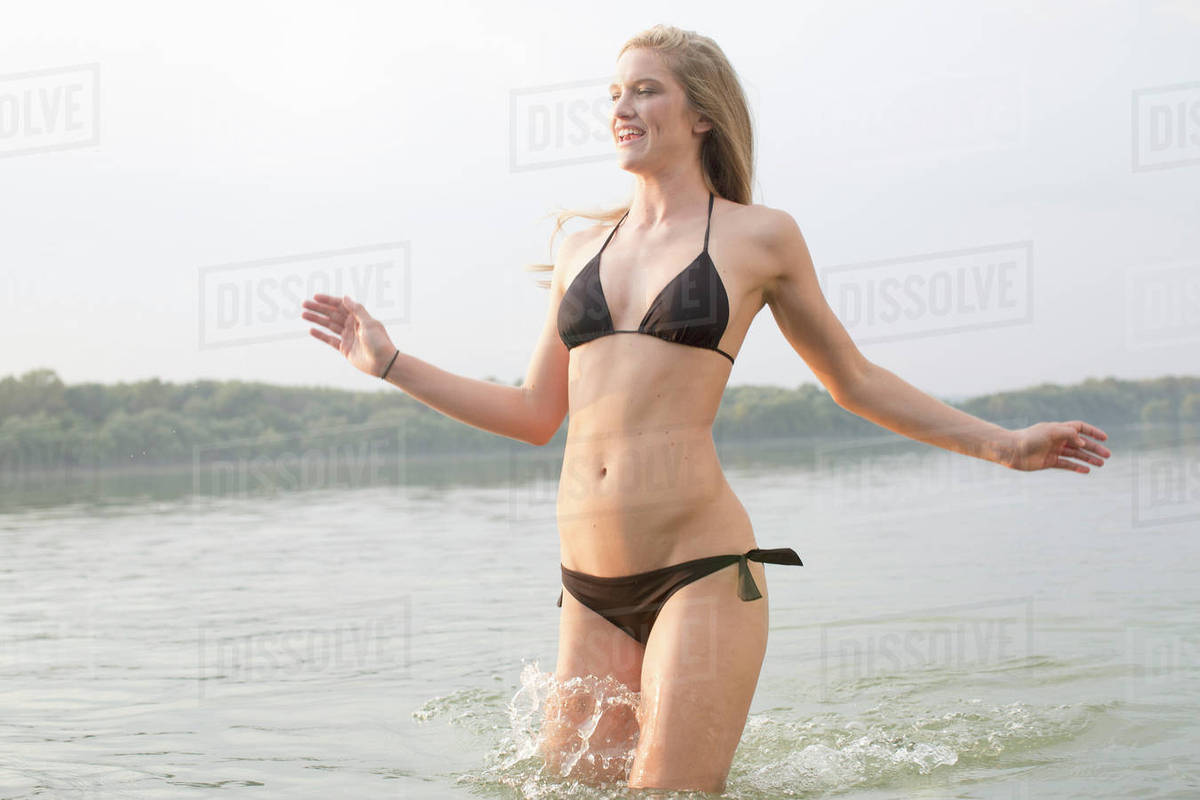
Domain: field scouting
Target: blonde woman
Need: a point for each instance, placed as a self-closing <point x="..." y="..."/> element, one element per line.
<point x="648" y="526"/>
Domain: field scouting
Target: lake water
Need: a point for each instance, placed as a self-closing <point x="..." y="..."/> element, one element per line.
<point x="958" y="630"/>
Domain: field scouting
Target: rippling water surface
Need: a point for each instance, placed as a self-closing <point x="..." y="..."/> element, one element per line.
<point x="958" y="630"/>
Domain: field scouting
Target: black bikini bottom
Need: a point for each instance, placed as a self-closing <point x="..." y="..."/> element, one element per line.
<point x="632" y="602"/>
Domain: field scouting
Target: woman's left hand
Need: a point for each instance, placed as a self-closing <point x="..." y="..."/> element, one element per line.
<point x="1049" y="445"/>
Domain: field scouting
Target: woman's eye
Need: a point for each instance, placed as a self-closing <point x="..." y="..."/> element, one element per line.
<point x="613" y="97"/>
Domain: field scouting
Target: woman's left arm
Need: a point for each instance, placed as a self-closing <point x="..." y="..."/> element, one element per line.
<point x="887" y="400"/>
<point x="874" y="393"/>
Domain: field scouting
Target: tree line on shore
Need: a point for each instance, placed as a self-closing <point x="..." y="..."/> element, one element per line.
<point x="45" y="423"/>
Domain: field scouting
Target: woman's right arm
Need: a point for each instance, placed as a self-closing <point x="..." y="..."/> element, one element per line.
<point x="532" y="412"/>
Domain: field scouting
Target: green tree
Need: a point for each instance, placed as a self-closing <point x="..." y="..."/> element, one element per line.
<point x="1189" y="409"/>
<point x="1157" y="411"/>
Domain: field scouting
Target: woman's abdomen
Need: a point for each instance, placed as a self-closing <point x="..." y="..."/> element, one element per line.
<point x="634" y="501"/>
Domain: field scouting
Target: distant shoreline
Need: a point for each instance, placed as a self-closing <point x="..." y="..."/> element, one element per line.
<point x="54" y="431"/>
<point x="527" y="454"/>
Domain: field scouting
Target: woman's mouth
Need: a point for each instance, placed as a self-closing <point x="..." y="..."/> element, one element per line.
<point x="627" y="135"/>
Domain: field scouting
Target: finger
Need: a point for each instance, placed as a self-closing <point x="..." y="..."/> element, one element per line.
<point x="333" y="342"/>
<point x="1062" y="463"/>
<point x="1076" y="439"/>
<point x="357" y="309"/>
<point x="1072" y="452"/>
<point x="320" y="319"/>
<point x="324" y="308"/>
<point x="1091" y="430"/>
<point x="337" y="312"/>
<point x="1088" y="444"/>
<point x="336" y="327"/>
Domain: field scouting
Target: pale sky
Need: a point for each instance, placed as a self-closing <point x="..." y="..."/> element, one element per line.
<point x="1036" y="163"/>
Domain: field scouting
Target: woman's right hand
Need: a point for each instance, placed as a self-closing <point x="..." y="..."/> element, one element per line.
<point x="361" y="338"/>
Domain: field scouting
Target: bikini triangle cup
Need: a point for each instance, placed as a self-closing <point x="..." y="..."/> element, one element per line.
<point x="692" y="309"/>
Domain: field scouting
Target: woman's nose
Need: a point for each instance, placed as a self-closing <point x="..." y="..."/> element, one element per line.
<point x="621" y="107"/>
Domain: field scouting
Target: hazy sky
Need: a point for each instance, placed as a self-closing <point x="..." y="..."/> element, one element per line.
<point x="995" y="194"/>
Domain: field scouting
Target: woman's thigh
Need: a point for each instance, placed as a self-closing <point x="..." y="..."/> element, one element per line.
<point x="699" y="673"/>
<point x="589" y="645"/>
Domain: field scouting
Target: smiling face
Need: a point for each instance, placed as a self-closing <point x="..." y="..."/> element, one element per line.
<point x="646" y="97"/>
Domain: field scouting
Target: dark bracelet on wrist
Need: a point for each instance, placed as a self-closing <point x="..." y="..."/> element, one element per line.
<point x="389" y="366"/>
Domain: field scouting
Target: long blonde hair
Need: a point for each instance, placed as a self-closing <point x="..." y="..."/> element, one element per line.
<point x="713" y="89"/>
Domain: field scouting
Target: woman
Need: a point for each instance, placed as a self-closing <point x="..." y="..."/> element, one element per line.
<point x="648" y="525"/>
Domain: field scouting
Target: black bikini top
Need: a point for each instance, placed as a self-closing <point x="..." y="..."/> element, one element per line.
<point x="692" y="309"/>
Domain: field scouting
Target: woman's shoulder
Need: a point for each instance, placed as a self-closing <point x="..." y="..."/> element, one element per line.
<point x="583" y="237"/>
<point x="759" y="223"/>
<point x="587" y="239"/>
<point x="576" y="244"/>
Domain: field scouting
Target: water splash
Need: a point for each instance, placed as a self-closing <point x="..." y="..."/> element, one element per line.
<point x="898" y="741"/>
<point x="890" y="744"/>
<point x="587" y="723"/>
